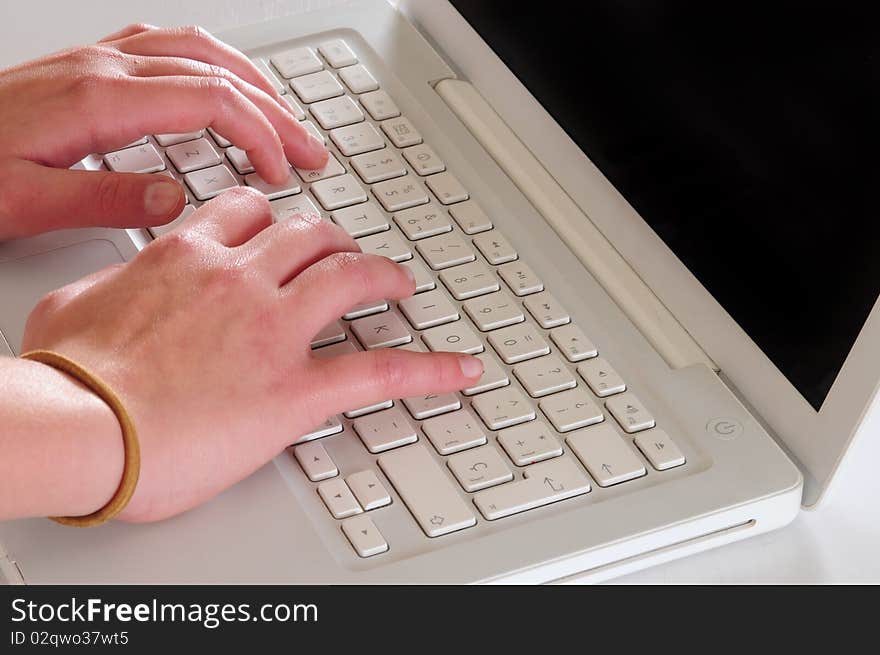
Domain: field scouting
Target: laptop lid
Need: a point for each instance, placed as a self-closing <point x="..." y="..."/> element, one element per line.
<point x="727" y="155"/>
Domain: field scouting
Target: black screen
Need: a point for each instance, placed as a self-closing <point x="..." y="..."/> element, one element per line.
<point x="747" y="139"/>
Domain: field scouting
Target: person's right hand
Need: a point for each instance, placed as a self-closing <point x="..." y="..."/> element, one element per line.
<point x="142" y="80"/>
<point x="205" y="337"/>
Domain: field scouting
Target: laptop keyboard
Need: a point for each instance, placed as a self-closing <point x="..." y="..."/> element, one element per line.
<point x="550" y="416"/>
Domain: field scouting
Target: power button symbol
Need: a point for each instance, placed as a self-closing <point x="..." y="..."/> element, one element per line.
<point x="724" y="428"/>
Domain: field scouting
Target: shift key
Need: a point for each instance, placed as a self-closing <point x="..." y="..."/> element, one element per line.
<point x="426" y="490"/>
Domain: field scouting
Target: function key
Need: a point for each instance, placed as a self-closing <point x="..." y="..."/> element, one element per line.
<point x="337" y="53"/>
<point x="296" y="62"/>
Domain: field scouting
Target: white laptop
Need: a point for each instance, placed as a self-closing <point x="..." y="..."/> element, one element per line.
<point x="641" y="229"/>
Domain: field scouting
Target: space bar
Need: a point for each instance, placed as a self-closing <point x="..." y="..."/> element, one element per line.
<point x="427" y="493"/>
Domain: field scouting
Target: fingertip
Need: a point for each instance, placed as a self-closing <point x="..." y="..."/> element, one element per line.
<point x="471" y="367"/>
<point x="164" y="199"/>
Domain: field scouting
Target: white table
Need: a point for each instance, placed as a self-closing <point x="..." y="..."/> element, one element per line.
<point x="840" y="542"/>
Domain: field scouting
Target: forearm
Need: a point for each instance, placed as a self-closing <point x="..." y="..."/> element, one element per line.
<point x="61" y="451"/>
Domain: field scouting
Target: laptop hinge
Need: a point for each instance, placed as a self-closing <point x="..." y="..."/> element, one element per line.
<point x="629" y="291"/>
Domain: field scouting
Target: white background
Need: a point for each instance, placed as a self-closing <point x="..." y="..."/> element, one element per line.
<point x="840" y="542"/>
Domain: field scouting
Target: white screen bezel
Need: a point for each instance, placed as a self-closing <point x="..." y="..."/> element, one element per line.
<point x="818" y="440"/>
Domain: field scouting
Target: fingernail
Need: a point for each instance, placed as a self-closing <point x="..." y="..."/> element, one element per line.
<point x="161" y="198"/>
<point x="409" y="274"/>
<point x="471" y="367"/>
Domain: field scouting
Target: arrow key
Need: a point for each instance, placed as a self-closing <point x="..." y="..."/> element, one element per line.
<point x="364" y="536"/>
<point x="315" y="461"/>
<point x="338" y="498"/>
<point x="606" y="455"/>
<point x="369" y="491"/>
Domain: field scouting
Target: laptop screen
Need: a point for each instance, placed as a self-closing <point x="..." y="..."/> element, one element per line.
<point x="746" y="137"/>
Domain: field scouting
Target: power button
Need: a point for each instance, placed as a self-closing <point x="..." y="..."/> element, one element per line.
<point x="724" y="428"/>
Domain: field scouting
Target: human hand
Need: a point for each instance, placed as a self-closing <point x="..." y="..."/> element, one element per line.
<point x="205" y="337"/>
<point x="142" y="80"/>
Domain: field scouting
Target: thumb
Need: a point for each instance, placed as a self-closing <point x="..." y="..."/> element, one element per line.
<point x="39" y="199"/>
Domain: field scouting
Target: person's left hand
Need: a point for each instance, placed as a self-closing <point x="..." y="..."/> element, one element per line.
<point x="142" y="80"/>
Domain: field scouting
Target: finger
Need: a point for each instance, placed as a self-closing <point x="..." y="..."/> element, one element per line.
<point x="157" y="105"/>
<point x="289" y="247"/>
<point x="194" y="42"/>
<point x="366" y="378"/>
<point x="128" y="30"/>
<point x="232" y="218"/>
<point x="329" y="288"/>
<point x="44" y="198"/>
<point x="300" y="147"/>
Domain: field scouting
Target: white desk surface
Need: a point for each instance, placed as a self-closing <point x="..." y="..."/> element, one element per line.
<point x="838" y="543"/>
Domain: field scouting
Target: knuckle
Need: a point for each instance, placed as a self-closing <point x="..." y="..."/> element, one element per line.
<point x="109" y="194"/>
<point x="139" y="27"/>
<point x="175" y="245"/>
<point x="355" y="272"/>
<point x="219" y="88"/>
<point x="196" y="33"/>
<point x="48" y="304"/>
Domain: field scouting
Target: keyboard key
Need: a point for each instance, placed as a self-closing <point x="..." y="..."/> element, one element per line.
<point x="545" y="483"/>
<point x="629" y="412"/>
<point x="414" y="346"/>
<point x="422" y="221"/>
<point x="209" y="182"/>
<point x="660" y="450"/>
<point x="140" y="159"/>
<point x="520" y="278"/>
<point x="360" y="220"/>
<point x="365" y="309"/>
<point x="470" y="217"/>
<point x="381" y="331"/>
<point x="316" y="87"/>
<point x="369" y="409"/>
<point x="339" y="192"/>
<point x="336" y="112"/>
<point x="529" y="443"/>
<point x="385" y="430"/>
<point x="603" y="380"/>
<point x="445" y="250"/>
<point x="356" y="139"/>
<point x="338" y="498"/>
<point x="401" y="132"/>
<point x="495" y="247"/>
<point x="193" y="155"/>
<point x="479" y="469"/>
<point x="428" y="309"/>
<point x="364" y="536"/>
<point x="274" y="191"/>
<point x="493" y="311"/>
<point x="331" y="426"/>
<point x="358" y="79"/>
<point x="494" y="376"/>
<point x="571" y="410"/>
<point x="469" y="280"/>
<point x="221" y="141"/>
<point x="605" y="455"/>
<point x="424" y="281"/>
<point x="166" y="140"/>
<point x="400" y="193"/>
<point x="286" y="208"/>
<point x="378" y="166"/>
<point x="426" y="491"/>
<point x="332" y="333"/>
<point x="503" y="408"/>
<point x="543" y="376"/>
<point x="518" y="343"/>
<point x="454" y="432"/>
<point x="296" y="62"/>
<point x="447" y="188"/>
<point x="432" y="404"/>
<point x="454" y="337"/>
<point x="315" y="461"/>
<point x="379" y="105"/>
<point x="239" y="160"/>
<point x="424" y="160"/>
<point x="573" y="343"/>
<point x="331" y="169"/>
<point x="368" y="490"/>
<point x="335" y="350"/>
<point x="267" y="72"/>
<point x="546" y="310"/>
<point x="295" y="108"/>
<point x="337" y="53"/>
<point x="387" y="244"/>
